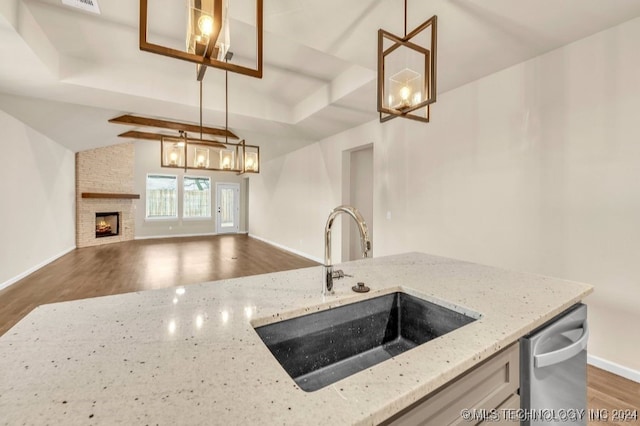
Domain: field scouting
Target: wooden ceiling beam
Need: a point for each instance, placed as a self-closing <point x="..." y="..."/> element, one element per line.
<point x="134" y="134"/>
<point x="133" y="120"/>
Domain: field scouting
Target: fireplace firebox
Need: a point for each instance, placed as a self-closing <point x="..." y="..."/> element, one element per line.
<point x="107" y="224"/>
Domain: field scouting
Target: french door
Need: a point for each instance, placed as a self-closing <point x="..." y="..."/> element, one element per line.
<point x="227" y="208"/>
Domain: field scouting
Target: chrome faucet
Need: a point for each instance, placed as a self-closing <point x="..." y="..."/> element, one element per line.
<point x="365" y="242"/>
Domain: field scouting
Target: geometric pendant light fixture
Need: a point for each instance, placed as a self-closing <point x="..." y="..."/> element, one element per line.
<point x="207" y="44"/>
<point x="407" y="71"/>
<point x="198" y="153"/>
<point x="246" y="158"/>
<point x="186" y="153"/>
<point x="207" y="36"/>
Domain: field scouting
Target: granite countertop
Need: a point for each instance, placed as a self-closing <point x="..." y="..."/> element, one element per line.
<point x="190" y="355"/>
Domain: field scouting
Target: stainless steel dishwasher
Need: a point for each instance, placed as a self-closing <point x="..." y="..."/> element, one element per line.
<point x="553" y="371"/>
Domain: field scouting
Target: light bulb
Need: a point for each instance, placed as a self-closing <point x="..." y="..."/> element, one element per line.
<point x="405" y="92"/>
<point x="173" y="157"/>
<point x="205" y="24"/>
<point x="226" y="163"/>
<point x="250" y="164"/>
<point x="200" y="160"/>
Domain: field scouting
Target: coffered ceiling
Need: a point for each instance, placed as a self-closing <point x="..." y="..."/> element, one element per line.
<point x="65" y="72"/>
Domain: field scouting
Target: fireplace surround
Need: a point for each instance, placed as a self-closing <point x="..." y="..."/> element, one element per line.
<point x="105" y="184"/>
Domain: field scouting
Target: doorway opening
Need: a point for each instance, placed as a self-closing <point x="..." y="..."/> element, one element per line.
<point x="357" y="191"/>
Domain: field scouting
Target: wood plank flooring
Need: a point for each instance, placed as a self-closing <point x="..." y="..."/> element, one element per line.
<point x="612" y="393"/>
<point x="142" y="265"/>
<point x="150" y="264"/>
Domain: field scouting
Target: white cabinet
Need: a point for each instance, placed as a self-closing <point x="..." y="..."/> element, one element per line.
<point x="491" y="385"/>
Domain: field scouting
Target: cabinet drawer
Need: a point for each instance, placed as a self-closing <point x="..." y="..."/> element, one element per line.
<point x="513" y="403"/>
<point x="485" y="387"/>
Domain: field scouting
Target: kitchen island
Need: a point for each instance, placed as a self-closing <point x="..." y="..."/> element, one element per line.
<point x="190" y="355"/>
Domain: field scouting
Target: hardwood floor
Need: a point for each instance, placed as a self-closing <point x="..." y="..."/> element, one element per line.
<point x="149" y="264"/>
<point x="142" y="265"/>
<point x="614" y="394"/>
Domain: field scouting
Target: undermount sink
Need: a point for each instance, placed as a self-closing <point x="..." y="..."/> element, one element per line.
<point x="321" y="348"/>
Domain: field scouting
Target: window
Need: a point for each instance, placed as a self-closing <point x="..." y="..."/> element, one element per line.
<point x="197" y="197"/>
<point x="162" y="196"/>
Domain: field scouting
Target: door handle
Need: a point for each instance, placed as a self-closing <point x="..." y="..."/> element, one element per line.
<point x="569" y="351"/>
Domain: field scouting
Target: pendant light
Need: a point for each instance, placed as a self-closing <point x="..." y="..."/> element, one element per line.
<point x="207" y="36"/>
<point x="407" y="71"/>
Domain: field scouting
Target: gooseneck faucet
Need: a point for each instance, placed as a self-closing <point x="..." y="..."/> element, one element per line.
<point x="365" y="243"/>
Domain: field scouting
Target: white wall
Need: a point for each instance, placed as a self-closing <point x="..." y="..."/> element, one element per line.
<point x="534" y="168"/>
<point x="293" y="195"/>
<point x="147" y="160"/>
<point x="37" y="183"/>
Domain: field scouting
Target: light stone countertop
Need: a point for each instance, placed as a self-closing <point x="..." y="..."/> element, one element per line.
<point x="190" y="355"/>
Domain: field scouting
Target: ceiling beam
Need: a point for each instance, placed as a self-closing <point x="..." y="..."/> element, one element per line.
<point x="133" y="120"/>
<point x="134" y="134"/>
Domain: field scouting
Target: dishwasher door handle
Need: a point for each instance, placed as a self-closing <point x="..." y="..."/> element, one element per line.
<point x="568" y="352"/>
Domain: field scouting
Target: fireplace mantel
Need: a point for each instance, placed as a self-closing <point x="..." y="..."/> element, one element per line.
<point x="109" y="195"/>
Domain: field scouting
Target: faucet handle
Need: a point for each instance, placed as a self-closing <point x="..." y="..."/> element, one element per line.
<point x="339" y="273"/>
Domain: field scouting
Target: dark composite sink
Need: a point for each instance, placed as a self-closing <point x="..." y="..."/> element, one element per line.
<point x="321" y="348"/>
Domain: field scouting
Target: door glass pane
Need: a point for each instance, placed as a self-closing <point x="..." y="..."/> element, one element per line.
<point x="227" y="208"/>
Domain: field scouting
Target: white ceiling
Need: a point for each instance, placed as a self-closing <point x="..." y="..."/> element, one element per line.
<point x="65" y="72"/>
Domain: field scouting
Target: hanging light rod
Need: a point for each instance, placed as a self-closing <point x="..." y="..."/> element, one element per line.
<point x="133" y="120"/>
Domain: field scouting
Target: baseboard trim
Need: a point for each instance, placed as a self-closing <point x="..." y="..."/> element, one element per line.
<point x="289" y="249"/>
<point x="35" y="268"/>
<point x="156" y="237"/>
<point x="612" y="367"/>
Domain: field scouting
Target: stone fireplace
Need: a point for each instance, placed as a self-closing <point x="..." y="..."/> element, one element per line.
<point x="105" y="205"/>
